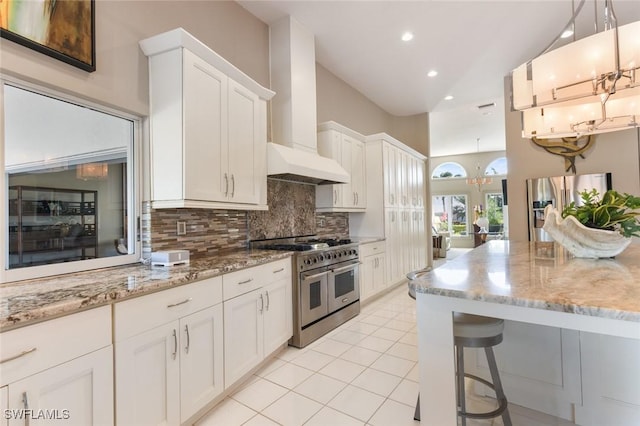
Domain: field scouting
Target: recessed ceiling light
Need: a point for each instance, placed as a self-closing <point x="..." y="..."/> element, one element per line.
<point x="448" y="98"/>
<point x="432" y="73"/>
<point x="407" y="36"/>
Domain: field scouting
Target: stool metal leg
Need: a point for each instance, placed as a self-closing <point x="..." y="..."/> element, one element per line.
<point x="495" y="378"/>
<point x="460" y="379"/>
<point x="416" y="415"/>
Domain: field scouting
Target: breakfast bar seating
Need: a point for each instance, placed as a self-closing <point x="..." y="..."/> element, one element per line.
<point x="541" y="285"/>
<point x="473" y="331"/>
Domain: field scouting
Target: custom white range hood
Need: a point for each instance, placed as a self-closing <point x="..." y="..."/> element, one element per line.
<point x="293" y="153"/>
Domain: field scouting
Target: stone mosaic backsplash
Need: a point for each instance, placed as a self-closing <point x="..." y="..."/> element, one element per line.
<point x="329" y="225"/>
<point x="208" y="231"/>
<point x="291" y="213"/>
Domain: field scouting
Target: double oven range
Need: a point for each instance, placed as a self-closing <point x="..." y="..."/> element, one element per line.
<point x="326" y="289"/>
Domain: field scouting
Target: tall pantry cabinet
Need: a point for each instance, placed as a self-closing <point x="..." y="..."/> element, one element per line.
<point x="396" y="213"/>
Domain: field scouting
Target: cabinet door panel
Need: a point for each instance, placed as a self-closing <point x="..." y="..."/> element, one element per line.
<point x="358" y="183"/>
<point x="243" y="335"/>
<point x="148" y="378"/>
<point x="278" y="325"/>
<point x="78" y="392"/>
<point x="205" y="130"/>
<point x="4" y="403"/>
<point x="201" y="366"/>
<point x="348" y="194"/>
<point x="245" y="152"/>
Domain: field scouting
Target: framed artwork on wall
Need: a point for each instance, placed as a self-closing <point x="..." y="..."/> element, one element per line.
<point x="62" y="29"/>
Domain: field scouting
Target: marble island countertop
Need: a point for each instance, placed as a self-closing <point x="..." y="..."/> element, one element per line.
<point x="542" y="276"/>
<point x="29" y="301"/>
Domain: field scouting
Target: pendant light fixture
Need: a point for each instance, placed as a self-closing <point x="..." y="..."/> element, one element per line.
<point x="479" y="179"/>
<point x="589" y="86"/>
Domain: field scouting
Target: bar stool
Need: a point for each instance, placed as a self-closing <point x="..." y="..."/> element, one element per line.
<point x="474" y="331"/>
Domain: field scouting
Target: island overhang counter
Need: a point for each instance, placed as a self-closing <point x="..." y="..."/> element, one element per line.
<point x="535" y="283"/>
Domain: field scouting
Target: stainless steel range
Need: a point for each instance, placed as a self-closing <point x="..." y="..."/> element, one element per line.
<point x="326" y="289"/>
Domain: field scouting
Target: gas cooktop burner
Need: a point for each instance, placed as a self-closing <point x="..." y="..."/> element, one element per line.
<point x="301" y="244"/>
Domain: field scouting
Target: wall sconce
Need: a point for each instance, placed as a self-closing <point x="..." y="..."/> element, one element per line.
<point x="92" y="171"/>
<point x="587" y="87"/>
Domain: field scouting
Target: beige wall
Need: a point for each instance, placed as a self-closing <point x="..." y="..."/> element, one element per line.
<point x="617" y="152"/>
<point x="121" y="78"/>
<point x="339" y="102"/>
<point x="459" y="186"/>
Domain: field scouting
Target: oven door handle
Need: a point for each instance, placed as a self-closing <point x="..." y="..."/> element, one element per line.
<point x="310" y="277"/>
<point x="345" y="268"/>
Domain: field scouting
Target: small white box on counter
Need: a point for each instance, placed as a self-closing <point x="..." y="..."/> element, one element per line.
<point x="170" y="258"/>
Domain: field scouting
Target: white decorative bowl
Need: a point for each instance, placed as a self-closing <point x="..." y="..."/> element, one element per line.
<point x="580" y="240"/>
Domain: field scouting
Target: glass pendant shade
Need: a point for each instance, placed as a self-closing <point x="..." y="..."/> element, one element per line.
<point x="576" y="89"/>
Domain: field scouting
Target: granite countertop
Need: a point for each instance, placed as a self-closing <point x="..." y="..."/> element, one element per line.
<point x="366" y="240"/>
<point x="542" y="276"/>
<point x="29" y="301"/>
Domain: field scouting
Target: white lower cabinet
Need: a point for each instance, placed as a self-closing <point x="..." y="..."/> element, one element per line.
<point x="256" y="322"/>
<point x="373" y="276"/>
<point x="78" y="392"/>
<point x="148" y="378"/>
<point x="59" y="370"/>
<point x="610" y="381"/>
<point x="166" y="374"/>
<point x="4" y="404"/>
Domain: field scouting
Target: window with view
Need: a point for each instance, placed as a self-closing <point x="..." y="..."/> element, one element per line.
<point x="69" y="185"/>
<point x="450" y="214"/>
<point x="449" y="170"/>
<point x="495" y="213"/>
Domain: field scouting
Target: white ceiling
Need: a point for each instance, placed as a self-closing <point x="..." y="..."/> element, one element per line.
<point x="472" y="44"/>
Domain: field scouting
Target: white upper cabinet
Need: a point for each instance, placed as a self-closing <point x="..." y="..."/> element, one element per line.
<point x="347" y="148"/>
<point x="208" y="128"/>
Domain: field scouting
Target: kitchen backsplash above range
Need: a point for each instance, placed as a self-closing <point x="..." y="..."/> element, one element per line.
<point x="291" y="213"/>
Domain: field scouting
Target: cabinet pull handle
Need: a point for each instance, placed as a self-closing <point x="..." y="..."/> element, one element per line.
<point x="233" y="185"/>
<point x="357" y="199"/>
<point x="278" y="270"/>
<point x="179" y="303"/>
<point x="345" y="300"/>
<point x="25" y="404"/>
<point x="21" y="354"/>
<point x="226" y="184"/>
<point x="261" y="303"/>
<point x="245" y="281"/>
<point x="335" y="196"/>
<point x="186" y="329"/>
<point x="267" y="294"/>
<point x="175" y="344"/>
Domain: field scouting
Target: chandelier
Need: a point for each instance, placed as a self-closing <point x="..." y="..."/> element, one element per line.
<point x="586" y="87"/>
<point x="479" y="179"/>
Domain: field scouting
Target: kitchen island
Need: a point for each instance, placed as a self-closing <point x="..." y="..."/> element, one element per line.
<point x="535" y="283"/>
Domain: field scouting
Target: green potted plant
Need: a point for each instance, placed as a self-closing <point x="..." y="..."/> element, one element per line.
<point x="613" y="212"/>
<point x="599" y="227"/>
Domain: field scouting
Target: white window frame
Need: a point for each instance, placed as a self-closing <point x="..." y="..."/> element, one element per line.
<point x="134" y="191"/>
<point x="468" y="219"/>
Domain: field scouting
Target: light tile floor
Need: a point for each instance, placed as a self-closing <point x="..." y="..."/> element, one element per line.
<point x="363" y="373"/>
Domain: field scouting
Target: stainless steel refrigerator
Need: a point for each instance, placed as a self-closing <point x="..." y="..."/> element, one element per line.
<point x="558" y="191"/>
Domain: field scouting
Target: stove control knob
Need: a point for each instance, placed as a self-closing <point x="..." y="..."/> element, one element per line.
<point x="329" y="256"/>
<point x="307" y="261"/>
<point x="315" y="260"/>
<point x="321" y="258"/>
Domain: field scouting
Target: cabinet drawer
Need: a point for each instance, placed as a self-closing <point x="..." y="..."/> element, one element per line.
<point x="52" y="342"/>
<point x="134" y="316"/>
<point x="371" y="249"/>
<point x="246" y="280"/>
